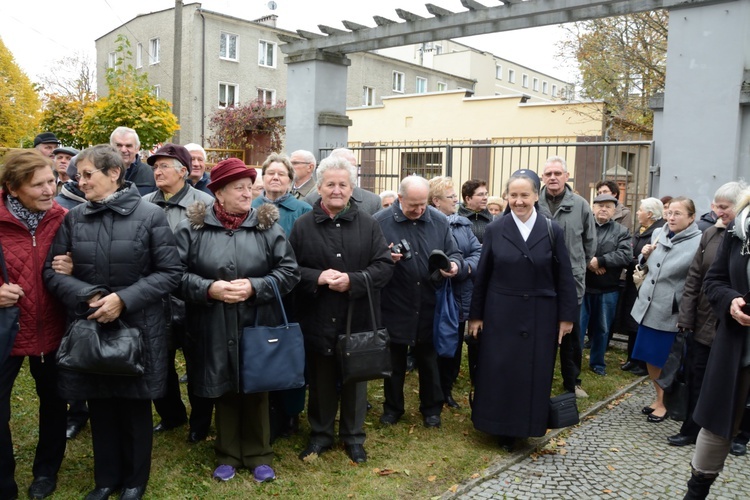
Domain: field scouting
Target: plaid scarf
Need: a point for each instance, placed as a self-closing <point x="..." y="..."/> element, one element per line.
<point x="229" y="220"/>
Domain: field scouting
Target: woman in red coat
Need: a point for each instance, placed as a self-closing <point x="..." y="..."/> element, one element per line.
<point x="29" y="219"/>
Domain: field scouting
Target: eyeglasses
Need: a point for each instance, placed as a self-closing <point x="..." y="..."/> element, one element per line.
<point x="482" y="194"/>
<point x="300" y="163"/>
<point x="86" y="174"/>
<point x="451" y="197"/>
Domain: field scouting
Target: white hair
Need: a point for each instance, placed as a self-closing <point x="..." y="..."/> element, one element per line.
<point x="196" y="147"/>
<point x="336" y="163"/>
<point x="557" y="159"/>
<point x="122" y="131"/>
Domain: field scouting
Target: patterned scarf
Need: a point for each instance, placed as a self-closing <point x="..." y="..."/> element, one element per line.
<point x="277" y="201"/>
<point x="31" y="219"/>
<point x="229" y="220"/>
<point x="741" y="230"/>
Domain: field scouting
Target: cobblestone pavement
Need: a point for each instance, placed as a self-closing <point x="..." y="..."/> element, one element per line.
<point x="615" y="453"/>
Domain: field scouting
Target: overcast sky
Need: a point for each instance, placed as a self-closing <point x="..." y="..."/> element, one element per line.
<point x="40" y="32"/>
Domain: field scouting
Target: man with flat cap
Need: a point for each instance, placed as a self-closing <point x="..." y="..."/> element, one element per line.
<point x="171" y="166"/>
<point x="45" y="143"/>
<point x="62" y="157"/>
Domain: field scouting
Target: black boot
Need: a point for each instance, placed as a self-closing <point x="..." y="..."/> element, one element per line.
<point x="699" y="485"/>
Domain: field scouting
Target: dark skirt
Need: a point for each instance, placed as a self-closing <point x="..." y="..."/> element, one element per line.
<point x="653" y="346"/>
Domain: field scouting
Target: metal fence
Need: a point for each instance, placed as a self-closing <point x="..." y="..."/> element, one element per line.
<point x="383" y="165"/>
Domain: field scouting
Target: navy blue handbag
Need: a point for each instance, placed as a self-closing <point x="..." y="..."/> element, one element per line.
<point x="445" y="328"/>
<point x="272" y="358"/>
<point x="9" y="319"/>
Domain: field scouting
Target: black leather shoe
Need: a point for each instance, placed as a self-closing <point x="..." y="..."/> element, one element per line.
<point x="647" y="410"/>
<point x="100" y="493"/>
<point x="639" y="371"/>
<point x="627" y="366"/>
<point x="73" y="430"/>
<point x="312" y="452"/>
<point x="389" y="418"/>
<point x="162" y="427"/>
<point x="196" y="437"/>
<point x="738" y="449"/>
<point x="432" y="421"/>
<point x="133" y="493"/>
<point x="357" y="453"/>
<point x="506" y="443"/>
<point x="450" y="402"/>
<point x="42" y="487"/>
<point x="681" y="440"/>
<point x="655" y="419"/>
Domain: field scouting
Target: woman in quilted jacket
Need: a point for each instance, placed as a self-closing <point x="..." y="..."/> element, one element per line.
<point x="29" y="219"/>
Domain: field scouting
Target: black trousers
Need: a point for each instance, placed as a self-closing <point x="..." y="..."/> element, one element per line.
<point x="50" y="448"/>
<point x="450" y="367"/>
<point x="430" y="393"/>
<point x="571" y="354"/>
<point x="695" y="370"/>
<point x="122" y="437"/>
<point x="78" y="413"/>
<point x="170" y="408"/>
<point x="201" y="412"/>
<point x="323" y="403"/>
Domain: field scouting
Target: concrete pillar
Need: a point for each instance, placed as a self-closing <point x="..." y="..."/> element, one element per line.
<point x="316" y="101"/>
<point x="702" y="137"/>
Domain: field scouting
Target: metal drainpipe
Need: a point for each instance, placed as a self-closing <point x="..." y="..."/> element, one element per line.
<point x="203" y="78"/>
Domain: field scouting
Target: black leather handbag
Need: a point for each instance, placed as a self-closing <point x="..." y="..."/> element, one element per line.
<point x="364" y="355"/>
<point x="9" y="319"/>
<point x="272" y="358"/>
<point x="102" y="348"/>
<point x="563" y="411"/>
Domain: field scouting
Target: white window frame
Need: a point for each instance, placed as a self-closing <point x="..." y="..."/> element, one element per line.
<point x="524" y="80"/>
<point x="156" y="89"/>
<point x="545" y="87"/>
<point x="498" y="71"/>
<point x="228" y="36"/>
<point x="442" y="86"/>
<point x="437" y="48"/>
<point x="154" y="51"/>
<point x="265" y="93"/>
<point x="511" y="76"/>
<point x="420" y="85"/>
<point x="111" y="60"/>
<point x="554" y="90"/>
<point x="226" y="86"/>
<point x="535" y="84"/>
<point x="139" y="55"/>
<point x="263" y="46"/>
<point x="368" y="96"/>
<point x="397" y="82"/>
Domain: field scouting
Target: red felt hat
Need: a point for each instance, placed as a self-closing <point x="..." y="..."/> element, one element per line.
<point x="227" y="171"/>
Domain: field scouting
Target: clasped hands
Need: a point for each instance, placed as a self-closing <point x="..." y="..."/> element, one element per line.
<point x="231" y="292"/>
<point x="336" y="280"/>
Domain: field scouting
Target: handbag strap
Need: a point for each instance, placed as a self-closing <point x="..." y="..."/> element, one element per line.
<point x="275" y="288"/>
<point x="2" y="264"/>
<point x="350" y="312"/>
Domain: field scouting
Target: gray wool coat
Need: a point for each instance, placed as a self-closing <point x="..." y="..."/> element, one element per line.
<point x="658" y="302"/>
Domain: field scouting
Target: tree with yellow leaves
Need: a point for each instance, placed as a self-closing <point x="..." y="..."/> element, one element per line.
<point x="130" y="103"/>
<point x="19" y="102"/>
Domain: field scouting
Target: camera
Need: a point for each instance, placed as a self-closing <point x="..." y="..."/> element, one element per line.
<point x="403" y="248"/>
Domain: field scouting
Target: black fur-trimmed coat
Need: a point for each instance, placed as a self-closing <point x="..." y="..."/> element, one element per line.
<point x="210" y="252"/>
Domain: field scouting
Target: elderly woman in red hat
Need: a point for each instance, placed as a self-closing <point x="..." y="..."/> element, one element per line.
<point x="230" y="251"/>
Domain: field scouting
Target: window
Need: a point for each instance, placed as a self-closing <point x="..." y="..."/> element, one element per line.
<point x="438" y="49"/>
<point x="525" y="81"/>
<point x="498" y="72"/>
<point x="228" y="94"/>
<point x="428" y="165"/>
<point x="421" y="85"/>
<point x="442" y="86"/>
<point x="153" y="51"/>
<point x="266" y="54"/>
<point x="368" y="96"/>
<point x="139" y="55"/>
<point x="535" y="84"/>
<point x="554" y="90"/>
<point x="511" y="76"/>
<point x="111" y="60"/>
<point x="267" y="96"/>
<point x="156" y="89"/>
<point x="398" y="82"/>
<point x="544" y="87"/>
<point x="228" y="46"/>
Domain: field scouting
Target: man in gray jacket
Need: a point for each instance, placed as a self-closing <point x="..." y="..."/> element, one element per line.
<point x="574" y="215"/>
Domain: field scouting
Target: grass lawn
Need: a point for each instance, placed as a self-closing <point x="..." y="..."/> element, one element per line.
<point x="404" y="461"/>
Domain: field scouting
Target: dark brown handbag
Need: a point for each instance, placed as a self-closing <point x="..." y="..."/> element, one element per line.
<point x="364" y="355"/>
<point x="9" y="319"/>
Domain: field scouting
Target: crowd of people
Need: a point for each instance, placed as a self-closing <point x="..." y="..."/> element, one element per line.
<point x="190" y="257"/>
